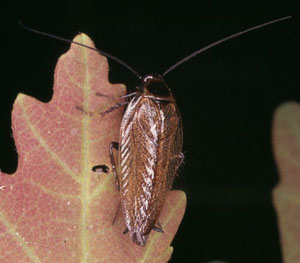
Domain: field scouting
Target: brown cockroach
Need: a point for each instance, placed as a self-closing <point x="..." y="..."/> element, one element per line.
<point x="150" y="145"/>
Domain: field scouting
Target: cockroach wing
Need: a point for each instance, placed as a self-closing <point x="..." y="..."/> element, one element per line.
<point x="171" y="142"/>
<point x="150" y="153"/>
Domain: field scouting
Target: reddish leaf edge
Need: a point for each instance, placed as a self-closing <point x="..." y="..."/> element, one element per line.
<point x="177" y="194"/>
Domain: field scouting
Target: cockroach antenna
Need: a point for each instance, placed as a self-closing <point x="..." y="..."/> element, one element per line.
<point x="80" y="44"/>
<point x="185" y="59"/>
<point x="197" y="52"/>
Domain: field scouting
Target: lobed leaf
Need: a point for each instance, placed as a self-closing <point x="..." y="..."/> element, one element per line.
<point x="54" y="208"/>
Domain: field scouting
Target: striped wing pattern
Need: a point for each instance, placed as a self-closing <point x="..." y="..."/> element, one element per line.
<point x="150" y="146"/>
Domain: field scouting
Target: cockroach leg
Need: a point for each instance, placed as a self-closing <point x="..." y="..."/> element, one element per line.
<point x="114" y="145"/>
<point x="158" y="228"/>
<point x="128" y="95"/>
<point x="116" y="214"/>
<point x="117" y="106"/>
<point x="102" y="95"/>
<point x="102" y="168"/>
<point x="83" y="111"/>
<point x="181" y="160"/>
<point x="181" y="157"/>
<point x="112" y="159"/>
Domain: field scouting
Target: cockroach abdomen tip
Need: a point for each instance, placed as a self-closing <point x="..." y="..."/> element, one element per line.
<point x="138" y="238"/>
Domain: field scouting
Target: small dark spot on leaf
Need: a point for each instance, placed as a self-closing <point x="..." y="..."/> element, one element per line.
<point x="101" y="168"/>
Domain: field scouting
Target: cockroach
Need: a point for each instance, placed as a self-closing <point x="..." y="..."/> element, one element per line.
<point x="150" y="144"/>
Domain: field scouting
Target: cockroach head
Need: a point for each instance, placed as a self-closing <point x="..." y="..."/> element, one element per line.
<point x="155" y="85"/>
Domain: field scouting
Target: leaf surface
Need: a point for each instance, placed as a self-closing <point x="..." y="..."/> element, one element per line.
<point x="55" y="208"/>
<point x="286" y="195"/>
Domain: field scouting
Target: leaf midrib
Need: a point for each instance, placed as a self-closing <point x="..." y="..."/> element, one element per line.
<point x="84" y="177"/>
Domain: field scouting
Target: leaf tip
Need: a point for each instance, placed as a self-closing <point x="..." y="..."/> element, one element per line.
<point x="285" y="109"/>
<point x="84" y="39"/>
<point x="181" y="195"/>
<point x="20" y="98"/>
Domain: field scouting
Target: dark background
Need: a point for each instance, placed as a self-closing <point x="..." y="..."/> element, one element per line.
<point x="227" y="97"/>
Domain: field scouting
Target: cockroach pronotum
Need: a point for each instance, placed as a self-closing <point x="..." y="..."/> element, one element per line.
<point x="150" y="144"/>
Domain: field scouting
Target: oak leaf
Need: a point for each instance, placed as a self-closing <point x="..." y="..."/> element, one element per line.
<point x="54" y="208"/>
<point x="286" y="195"/>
